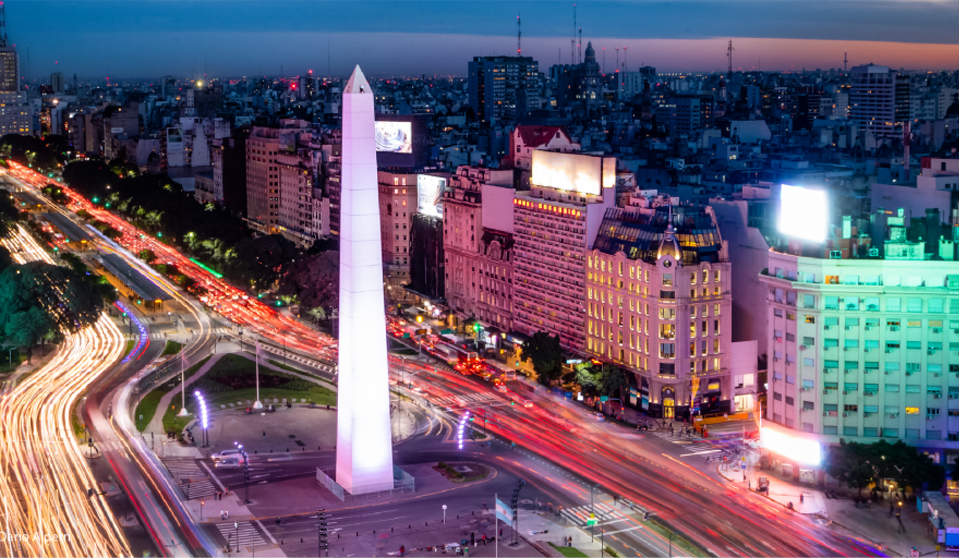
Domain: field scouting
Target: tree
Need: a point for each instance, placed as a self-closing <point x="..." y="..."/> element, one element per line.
<point x="260" y="262"/>
<point x="147" y="255"/>
<point x="613" y="380"/>
<point x="315" y="281"/>
<point x="851" y="463"/>
<point x="5" y="259"/>
<point x="27" y="327"/>
<point x="545" y="352"/>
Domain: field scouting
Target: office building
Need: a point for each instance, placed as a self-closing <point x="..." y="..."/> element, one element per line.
<point x="503" y="89"/>
<point x="554" y="225"/>
<point x="262" y="174"/>
<point x="16" y="114"/>
<point x="879" y="100"/>
<point x="397" y="193"/>
<point x="864" y="344"/>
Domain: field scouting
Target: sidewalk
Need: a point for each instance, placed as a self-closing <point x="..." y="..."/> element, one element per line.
<point x="156" y="425"/>
<point x="874" y="525"/>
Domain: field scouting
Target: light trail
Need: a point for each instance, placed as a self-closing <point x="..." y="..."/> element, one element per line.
<point x="45" y="507"/>
<point x="230" y="302"/>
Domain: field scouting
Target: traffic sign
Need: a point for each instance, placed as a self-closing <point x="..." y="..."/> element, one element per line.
<point x="603" y="398"/>
<point x="592" y="520"/>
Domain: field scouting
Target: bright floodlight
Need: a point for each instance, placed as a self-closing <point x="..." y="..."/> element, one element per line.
<point x="800" y="450"/>
<point x="803" y="213"/>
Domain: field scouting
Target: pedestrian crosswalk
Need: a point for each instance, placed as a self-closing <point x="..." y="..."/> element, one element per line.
<point x="604" y="514"/>
<point x="248" y="535"/>
<point x="194" y="482"/>
<point x="676" y="437"/>
<point x="466" y="399"/>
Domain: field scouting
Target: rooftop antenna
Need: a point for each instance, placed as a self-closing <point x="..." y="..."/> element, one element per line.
<point x="845" y="62"/>
<point x="519" y="36"/>
<point x="328" y="74"/>
<point x="729" y="55"/>
<point x="617" y="58"/>
<point x="572" y="44"/>
<point x="604" y="60"/>
<point x="580" y="44"/>
<point x="3" y="25"/>
<point x="625" y="66"/>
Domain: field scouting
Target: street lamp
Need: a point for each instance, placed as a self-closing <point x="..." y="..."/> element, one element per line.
<point x="592" y="511"/>
<point x="256" y="359"/>
<point x="182" y="412"/>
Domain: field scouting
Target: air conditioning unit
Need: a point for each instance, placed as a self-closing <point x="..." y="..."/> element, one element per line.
<point x="937" y="374"/>
<point x="802" y="347"/>
<point x="847" y="328"/>
<point x="937" y="396"/>
<point x="929" y="352"/>
<point x="956" y="331"/>
<point x="825" y="392"/>
<point x="870" y="394"/>
<point x="827" y="328"/>
<point x="845" y="348"/>
<point x="888" y="372"/>
<point x="867" y="350"/>
<point x="867" y="414"/>
<point x="825" y="413"/>
<point x="845" y="414"/>
<point x="844" y="392"/>
<point x="888" y="350"/>
<point x="893" y="415"/>
<point x="868" y="328"/>
<point x="909" y="373"/>
<point x="937" y="330"/>
<point x="894" y="328"/>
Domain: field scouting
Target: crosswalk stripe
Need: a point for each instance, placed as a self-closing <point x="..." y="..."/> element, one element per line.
<point x="188" y="469"/>
<point x="246" y="533"/>
<point x="580" y="514"/>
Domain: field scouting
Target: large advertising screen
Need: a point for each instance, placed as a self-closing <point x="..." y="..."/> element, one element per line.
<point x="394" y="137"/>
<point x="568" y="171"/>
<point x="803" y="213"/>
<point x="429" y="194"/>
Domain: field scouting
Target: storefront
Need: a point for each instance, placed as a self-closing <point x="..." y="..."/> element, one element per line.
<point x="792" y="455"/>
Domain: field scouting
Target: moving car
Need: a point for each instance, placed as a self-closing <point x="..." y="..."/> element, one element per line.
<point x="231" y="463"/>
<point x="226" y="454"/>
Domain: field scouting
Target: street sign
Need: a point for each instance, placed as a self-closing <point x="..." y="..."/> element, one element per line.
<point x="592" y="520"/>
<point x="603" y="399"/>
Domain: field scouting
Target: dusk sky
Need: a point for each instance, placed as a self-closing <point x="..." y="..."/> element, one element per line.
<point x="138" y="38"/>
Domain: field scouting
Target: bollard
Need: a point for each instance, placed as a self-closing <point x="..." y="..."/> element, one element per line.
<point x="357" y="533"/>
<point x="391" y="529"/>
<point x="271" y="451"/>
<point x="255" y="452"/>
<point x="473" y="513"/>
<point x="410" y="526"/>
<point x="374" y="531"/>
<point x="303" y="448"/>
<point x="337" y="535"/>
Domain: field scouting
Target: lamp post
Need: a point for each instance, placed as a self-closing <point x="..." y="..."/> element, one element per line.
<point x="256" y="359"/>
<point x="182" y="412"/>
<point x="592" y="510"/>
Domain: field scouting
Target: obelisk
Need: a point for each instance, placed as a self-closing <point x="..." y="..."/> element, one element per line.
<point x="364" y="441"/>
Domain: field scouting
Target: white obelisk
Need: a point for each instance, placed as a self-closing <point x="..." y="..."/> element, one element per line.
<point x="364" y="441"/>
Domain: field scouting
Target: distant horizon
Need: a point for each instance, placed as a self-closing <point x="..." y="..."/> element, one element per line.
<point x="698" y="56"/>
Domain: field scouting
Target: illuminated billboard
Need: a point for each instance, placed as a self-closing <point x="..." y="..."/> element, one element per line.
<point x="800" y="450"/>
<point x="429" y="195"/>
<point x="803" y="213"/>
<point x="394" y="137"/>
<point x="568" y="171"/>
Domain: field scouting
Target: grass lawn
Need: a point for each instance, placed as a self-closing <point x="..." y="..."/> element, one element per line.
<point x="232" y="380"/>
<point x="172" y="348"/>
<point x="148" y="405"/>
<point x="130" y="344"/>
<point x="278" y="364"/>
<point x="568" y="551"/>
<point x="656" y="524"/>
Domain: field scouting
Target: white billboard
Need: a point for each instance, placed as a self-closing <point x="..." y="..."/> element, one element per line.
<point x="394" y="137"/>
<point x="568" y="171"/>
<point x="803" y="213"/>
<point x="429" y="194"/>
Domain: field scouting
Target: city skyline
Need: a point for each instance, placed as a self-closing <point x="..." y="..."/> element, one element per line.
<point x="203" y="39"/>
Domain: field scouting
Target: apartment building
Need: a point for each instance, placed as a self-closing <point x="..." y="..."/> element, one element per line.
<point x="397" y="206"/>
<point x="263" y="175"/>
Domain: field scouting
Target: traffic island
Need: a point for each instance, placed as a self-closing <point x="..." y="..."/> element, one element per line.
<point x="460" y="473"/>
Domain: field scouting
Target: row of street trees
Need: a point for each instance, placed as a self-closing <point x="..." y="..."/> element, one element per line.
<point x="860" y="466"/>
<point x="546" y="355"/>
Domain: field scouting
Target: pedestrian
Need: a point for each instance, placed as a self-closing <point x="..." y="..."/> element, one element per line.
<point x="501" y="533"/>
<point x="227" y="513"/>
<point x="801" y="499"/>
<point x="264" y="435"/>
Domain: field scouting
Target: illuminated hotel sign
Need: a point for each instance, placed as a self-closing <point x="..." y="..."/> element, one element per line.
<point x="535" y="204"/>
<point x="573" y="172"/>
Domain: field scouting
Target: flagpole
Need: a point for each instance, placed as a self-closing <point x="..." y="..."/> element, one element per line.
<point x="496" y="523"/>
<point x="256" y="359"/>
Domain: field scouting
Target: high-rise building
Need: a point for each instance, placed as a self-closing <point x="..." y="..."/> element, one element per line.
<point x="658" y="304"/>
<point x="863" y="341"/>
<point x="262" y="173"/>
<point x="57" y="83"/>
<point x="16" y="115"/>
<point x="503" y="89"/>
<point x="878" y="100"/>
<point x="554" y="225"/>
<point x="297" y="220"/>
